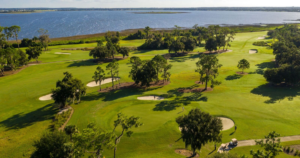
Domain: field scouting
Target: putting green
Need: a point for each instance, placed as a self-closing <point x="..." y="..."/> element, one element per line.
<point x="255" y="107"/>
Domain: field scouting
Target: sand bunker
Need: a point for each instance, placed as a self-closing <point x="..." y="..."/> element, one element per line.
<point x="252" y="51"/>
<point x="46" y="97"/>
<point x="108" y="80"/>
<point x="150" y="98"/>
<point x="260" y="38"/>
<point x="226" y="122"/>
<point x="62" y="53"/>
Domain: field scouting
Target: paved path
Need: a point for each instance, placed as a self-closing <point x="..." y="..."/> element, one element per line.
<point x="252" y="142"/>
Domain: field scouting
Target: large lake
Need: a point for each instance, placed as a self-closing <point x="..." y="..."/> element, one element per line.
<point x="70" y="23"/>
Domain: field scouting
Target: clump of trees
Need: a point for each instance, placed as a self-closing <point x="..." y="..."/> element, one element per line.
<point x="286" y="51"/>
<point x="68" y="90"/>
<point x="147" y="71"/>
<point x="215" y="38"/>
<point x="243" y="64"/>
<point x="34" y="52"/>
<point x="208" y="68"/>
<point x="12" y="59"/>
<point x="91" y="141"/>
<point x="198" y="128"/>
<point x="111" y="48"/>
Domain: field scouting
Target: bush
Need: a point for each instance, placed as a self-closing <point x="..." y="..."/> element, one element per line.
<point x="288" y="149"/>
<point x="296" y="152"/>
<point x="51" y="145"/>
<point x="60" y="119"/>
<point x="260" y="43"/>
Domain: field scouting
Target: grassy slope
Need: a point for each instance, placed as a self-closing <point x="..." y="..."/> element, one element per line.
<point x="256" y="108"/>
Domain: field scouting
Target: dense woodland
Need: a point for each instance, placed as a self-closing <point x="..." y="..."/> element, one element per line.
<point x="287" y="56"/>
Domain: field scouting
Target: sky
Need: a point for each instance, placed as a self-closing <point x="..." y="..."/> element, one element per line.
<point x="145" y="3"/>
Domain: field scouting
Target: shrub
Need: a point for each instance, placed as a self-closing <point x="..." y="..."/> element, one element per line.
<point x="296" y="152"/>
<point x="60" y="119"/>
<point x="260" y="43"/>
<point x="288" y="149"/>
<point x="51" y="145"/>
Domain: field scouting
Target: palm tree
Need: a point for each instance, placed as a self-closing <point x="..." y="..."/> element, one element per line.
<point x="99" y="76"/>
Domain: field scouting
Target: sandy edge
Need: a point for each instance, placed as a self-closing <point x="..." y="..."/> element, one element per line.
<point x="62" y="53"/>
<point x="108" y="80"/>
<point x="252" y="51"/>
<point x="150" y="98"/>
<point x="45" y="97"/>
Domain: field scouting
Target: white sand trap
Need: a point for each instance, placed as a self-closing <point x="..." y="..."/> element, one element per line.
<point x="252" y="51"/>
<point x="226" y="122"/>
<point x="46" y="97"/>
<point x="108" y="80"/>
<point x="262" y="37"/>
<point x="150" y="98"/>
<point x="62" y="53"/>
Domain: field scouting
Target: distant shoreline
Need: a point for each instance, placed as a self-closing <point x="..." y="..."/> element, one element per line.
<point x="159" y="12"/>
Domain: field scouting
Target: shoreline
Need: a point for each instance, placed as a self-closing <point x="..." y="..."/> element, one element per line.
<point x="126" y="32"/>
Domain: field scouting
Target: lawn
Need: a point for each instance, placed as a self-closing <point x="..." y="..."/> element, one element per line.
<point x="255" y="107"/>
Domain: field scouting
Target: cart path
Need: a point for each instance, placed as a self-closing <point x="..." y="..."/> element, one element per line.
<point x="252" y="142"/>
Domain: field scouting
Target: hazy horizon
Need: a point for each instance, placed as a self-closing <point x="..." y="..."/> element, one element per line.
<point x="143" y="3"/>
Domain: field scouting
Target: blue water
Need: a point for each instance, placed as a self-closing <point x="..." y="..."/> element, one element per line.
<point x="70" y="23"/>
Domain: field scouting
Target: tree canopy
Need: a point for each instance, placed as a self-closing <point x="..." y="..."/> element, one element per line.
<point x="198" y="128"/>
<point x="243" y="64"/>
<point x="208" y="68"/>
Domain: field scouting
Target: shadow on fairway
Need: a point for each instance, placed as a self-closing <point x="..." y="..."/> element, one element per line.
<point x="184" y="58"/>
<point x="169" y="105"/>
<point x="263" y="66"/>
<point x="117" y="94"/>
<point x="276" y="93"/>
<point x="22" y="120"/>
<point x="233" y="77"/>
<point x="89" y="62"/>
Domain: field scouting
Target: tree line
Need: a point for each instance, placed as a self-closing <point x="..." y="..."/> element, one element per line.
<point x="215" y="38"/>
<point x="287" y="56"/>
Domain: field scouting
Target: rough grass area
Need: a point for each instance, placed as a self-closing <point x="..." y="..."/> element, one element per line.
<point x="255" y="107"/>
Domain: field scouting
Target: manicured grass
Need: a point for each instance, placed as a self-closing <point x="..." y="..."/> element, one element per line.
<point x="255" y="107"/>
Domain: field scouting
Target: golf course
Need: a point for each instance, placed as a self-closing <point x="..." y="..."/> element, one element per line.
<point x="255" y="106"/>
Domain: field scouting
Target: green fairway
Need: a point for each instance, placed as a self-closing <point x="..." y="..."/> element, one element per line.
<point x="256" y="107"/>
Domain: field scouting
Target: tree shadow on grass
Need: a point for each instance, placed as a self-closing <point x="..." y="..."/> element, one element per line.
<point x="263" y="66"/>
<point x="276" y="93"/>
<point x="233" y="77"/>
<point x="22" y="120"/>
<point x="117" y="94"/>
<point x="89" y="62"/>
<point x="169" y="105"/>
<point x="184" y="58"/>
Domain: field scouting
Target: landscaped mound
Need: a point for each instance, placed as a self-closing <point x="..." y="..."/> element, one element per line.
<point x="94" y="84"/>
<point x="153" y="97"/>
<point x="45" y="97"/>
